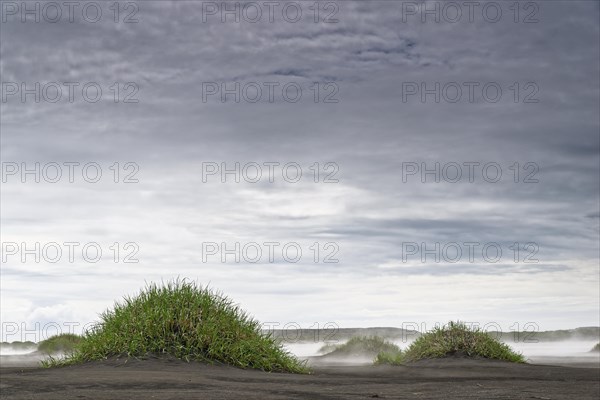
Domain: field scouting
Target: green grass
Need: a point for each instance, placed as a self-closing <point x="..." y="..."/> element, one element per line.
<point x="596" y="348"/>
<point x="456" y="338"/>
<point x="186" y="321"/>
<point x="328" y="348"/>
<point x="370" y="346"/>
<point x="64" y="343"/>
<point x="391" y="358"/>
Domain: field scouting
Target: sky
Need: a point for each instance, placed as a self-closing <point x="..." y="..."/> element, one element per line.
<point x="375" y="163"/>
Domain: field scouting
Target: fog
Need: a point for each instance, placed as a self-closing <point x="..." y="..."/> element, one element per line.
<point x="21" y="360"/>
<point x="22" y="356"/>
<point x="571" y="352"/>
<point x="15" y="350"/>
<point x="304" y="349"/>
<point x="558" y="349"/>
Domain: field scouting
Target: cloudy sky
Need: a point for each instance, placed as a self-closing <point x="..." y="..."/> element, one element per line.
<point x="365" y="98"/>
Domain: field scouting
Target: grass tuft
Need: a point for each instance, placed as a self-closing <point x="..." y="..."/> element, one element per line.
<point x="456" y="338"/>
<point x="186" y="321"/>
<point x="63" y="343"/>
<point x="389" y="358"/>
<point x="370" y="346"/>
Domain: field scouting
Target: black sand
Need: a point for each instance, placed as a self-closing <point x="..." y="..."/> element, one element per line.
<point x="167" y="378"/>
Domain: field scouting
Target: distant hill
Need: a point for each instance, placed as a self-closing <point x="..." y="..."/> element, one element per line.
<point x="342" y="334"/>
<point x="18" y="345"/>
<point x="583" y="333"/>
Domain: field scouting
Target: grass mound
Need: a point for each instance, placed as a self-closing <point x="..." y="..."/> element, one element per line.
<point x="328" y="348"/>
<point x="64" y="343"/>
<point x="389" y="357"/>
<point x="186" y="321"/>
<point x="596" y="348"/>
<point x="456" y="338"/>
<point x="366" y="346"/>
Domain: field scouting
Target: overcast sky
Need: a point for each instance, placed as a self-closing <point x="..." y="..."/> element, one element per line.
<point x="353" y="104"/>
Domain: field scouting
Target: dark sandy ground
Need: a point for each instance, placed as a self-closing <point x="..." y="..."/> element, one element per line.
<point x="167" y="378"/>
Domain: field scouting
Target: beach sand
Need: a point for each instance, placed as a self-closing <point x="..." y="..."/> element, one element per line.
<point x="168" y="378"/>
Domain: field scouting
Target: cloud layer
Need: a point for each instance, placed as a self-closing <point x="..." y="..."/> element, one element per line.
<point x="371" y="131"/>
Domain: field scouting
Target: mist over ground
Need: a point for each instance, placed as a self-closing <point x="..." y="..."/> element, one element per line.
<point x="574" y="352"/>
<point x="568" y="352"/>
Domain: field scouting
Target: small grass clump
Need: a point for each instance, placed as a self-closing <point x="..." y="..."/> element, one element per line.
<point x="596" y="348"/>
<point x="63" y="343"/>
<point x="186" y="321"/>
<point x="457" y="338"/>
<point x="454" y="339"/>
<point x="328" y="348"/>
<point x="389" y="357"/>
<point x="370" y="346"/>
